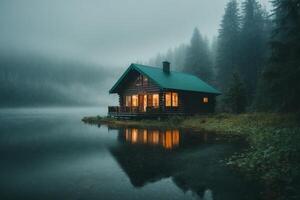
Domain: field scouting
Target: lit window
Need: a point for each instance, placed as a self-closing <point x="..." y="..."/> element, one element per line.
<point x="168" y="99"/>
<point x="145" y="103"/>
<point x="128" y="101"/>
<point x="155" y="100"/>
<point x="135" y="100"/>
<point x="205" y="99"/>
<point x="174" y="99"/>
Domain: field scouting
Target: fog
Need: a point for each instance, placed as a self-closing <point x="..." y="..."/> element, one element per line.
<point x="96" y="38"/>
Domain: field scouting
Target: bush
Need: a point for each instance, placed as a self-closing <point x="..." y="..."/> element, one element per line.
<point x="273" y="157"/>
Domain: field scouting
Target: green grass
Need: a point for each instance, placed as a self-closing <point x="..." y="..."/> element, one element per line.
<point x="223" y="123"/>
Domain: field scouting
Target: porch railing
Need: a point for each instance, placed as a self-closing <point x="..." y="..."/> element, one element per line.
<point x="133" y="109"/>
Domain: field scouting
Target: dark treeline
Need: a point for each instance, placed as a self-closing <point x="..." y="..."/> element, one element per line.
<point x="254" y="59"/>
<point x="40" y="81"/>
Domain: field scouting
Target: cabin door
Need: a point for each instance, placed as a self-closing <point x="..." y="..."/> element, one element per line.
<point x="143" y="102"/>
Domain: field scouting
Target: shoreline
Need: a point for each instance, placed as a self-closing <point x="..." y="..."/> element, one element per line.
<point x="222" y="123"/>
<point x="272" y="156"/>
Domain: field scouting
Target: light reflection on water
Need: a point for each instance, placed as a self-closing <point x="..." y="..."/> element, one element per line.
<point x="51" y="154"/>
<point x="167" y="139"/>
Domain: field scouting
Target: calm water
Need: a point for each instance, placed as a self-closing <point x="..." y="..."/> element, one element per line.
<point x="51" y="154"/>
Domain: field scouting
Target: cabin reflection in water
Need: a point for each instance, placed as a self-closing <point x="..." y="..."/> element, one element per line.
<point x="191" y="160"/>
<point x="168" y="139"/>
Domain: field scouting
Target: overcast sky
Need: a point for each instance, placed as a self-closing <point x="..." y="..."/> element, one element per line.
<point x="109" y="32"/>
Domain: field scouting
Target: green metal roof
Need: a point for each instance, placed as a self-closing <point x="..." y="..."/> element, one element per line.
<point x="173" y="80"/>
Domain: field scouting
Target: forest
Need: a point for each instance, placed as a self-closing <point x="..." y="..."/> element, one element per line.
<point x="254" y="60"/>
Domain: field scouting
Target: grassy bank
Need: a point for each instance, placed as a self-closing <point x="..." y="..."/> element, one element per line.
<point x="242" y="124"/>
<point x="274" y="153"/>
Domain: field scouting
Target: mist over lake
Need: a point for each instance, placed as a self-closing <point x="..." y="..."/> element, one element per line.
<point x="142" y="99"/>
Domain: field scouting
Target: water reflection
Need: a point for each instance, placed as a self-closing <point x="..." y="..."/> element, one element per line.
<point x="190" y="159"/>
<point x="50" y="155"/>
<point x="167" y="139"/>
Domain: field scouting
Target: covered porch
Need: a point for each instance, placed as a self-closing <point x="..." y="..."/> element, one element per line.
<point x="136" y="111"/>
<point x="146" y="105"/>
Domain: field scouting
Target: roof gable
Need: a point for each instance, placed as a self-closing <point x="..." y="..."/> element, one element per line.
<point x="173" y="80"/>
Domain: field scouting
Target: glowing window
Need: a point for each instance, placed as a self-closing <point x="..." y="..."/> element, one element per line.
<point x="128" y="101"/>
<point x="135" y="100"/>
<point x="205" y="99"/>
<point x="174" y="99"/>
<point x="168" y="99"/>
<point x="155" y="100"/>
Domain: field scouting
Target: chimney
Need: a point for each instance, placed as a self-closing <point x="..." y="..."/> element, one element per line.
<point x="166" y="67"/>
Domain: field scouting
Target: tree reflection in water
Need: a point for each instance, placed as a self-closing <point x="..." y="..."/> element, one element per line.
<point x="191" y="160"/>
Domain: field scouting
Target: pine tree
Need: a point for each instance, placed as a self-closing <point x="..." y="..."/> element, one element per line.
<point x="227" y="59"/>
<point x="253" y="41"/>
<point x="198" y="59"/>
<point x="175" y="56"/>
<point x="281" y="77"/>
<point x="179" y="57"/>
<point x="235" y="96"/>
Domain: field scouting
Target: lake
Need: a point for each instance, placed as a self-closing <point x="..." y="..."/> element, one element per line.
<point x="48" y="153"/>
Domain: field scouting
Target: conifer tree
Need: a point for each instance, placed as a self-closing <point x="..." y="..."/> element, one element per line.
<point x="198" y="59"/>
<point x="253" y="44"/>
<point x="227" y="58"/>
<point x="235" y="96"/>
<point x="281" y="80"/>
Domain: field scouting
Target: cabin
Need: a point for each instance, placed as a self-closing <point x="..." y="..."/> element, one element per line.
<point x="147" y="92"/>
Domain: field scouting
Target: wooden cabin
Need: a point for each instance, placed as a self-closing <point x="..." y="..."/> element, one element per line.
<point x="146" y="91"/>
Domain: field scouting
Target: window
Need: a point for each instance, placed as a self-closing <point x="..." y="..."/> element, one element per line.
<point x="174" y="99"/>
<point x="205" y="99"/>
<point x="168" y="99"/>
<point x="139" y="80"/>
<point x="135" y="100"/>
<point x="145" y="81"/>
<point x="155" y="100"/>
<point x="128" y="101"/>
<point x="171" y="99"/>
<point x="145" y="103"/>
